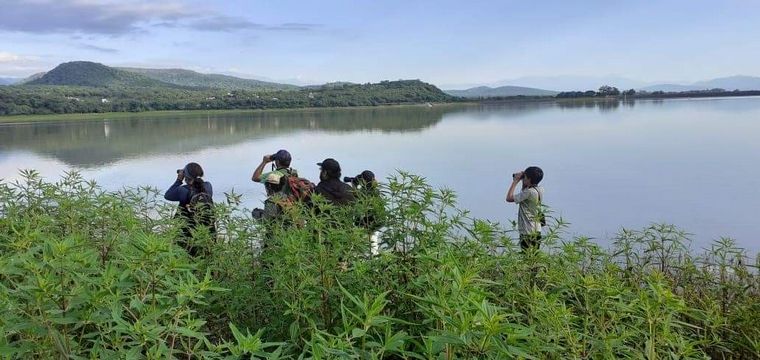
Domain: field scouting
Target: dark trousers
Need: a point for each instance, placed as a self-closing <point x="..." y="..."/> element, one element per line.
<point x="530" y="241"/>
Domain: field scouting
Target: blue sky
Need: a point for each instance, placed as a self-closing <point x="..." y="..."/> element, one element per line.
<point x="448" y="43"/>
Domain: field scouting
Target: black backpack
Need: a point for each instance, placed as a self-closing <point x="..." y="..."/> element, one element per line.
<point x="200" y="210"/>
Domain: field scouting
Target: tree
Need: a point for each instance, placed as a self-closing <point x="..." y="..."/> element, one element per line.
<point x="607" y="90"/>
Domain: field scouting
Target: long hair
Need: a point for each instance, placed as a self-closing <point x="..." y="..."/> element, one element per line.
<point x="194" y="172"/>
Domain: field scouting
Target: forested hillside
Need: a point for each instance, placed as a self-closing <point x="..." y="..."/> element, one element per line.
<point x="85" y="73"/>
<point x="61" y="99"/>
<point x="190" y="78"/>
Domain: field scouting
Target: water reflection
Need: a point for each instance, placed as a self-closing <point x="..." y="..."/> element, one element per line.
<point x="93" y="143"/>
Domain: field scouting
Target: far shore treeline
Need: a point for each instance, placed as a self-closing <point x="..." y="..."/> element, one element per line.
<point x="87" y="87"/>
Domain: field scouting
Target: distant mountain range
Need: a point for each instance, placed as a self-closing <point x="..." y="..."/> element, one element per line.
<point x="9" y="80"/>
<point x="581" y="83"/>
<point x="85" y="73"/>
<point x="502" y="91"/>
<point x="561" y="83"/>
<point x="738" y="82"/>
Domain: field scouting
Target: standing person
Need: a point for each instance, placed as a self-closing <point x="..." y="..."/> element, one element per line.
<point x="330" y="187"/>
<point x="371" y="206"/>
<point x="529" y="214"/>
<point x="281" y="160"/>
<point x="195" y="202"/>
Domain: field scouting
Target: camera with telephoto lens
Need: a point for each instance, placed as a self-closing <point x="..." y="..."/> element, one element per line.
<point x="521" y="176"/>
<point x="179" y="171"/>
<point x="348" y="179"/>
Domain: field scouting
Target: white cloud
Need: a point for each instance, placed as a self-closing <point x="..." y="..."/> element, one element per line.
<point x="16" y="65"/>
<point x="6" y="57"/>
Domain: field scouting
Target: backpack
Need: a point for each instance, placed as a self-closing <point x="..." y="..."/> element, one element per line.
<point x="297" y="188"/>
<point x="201" y="210"/>
<point x="541" y="216"/>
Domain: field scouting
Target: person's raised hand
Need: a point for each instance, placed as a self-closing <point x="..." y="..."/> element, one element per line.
<point x="180" y="174"/>
<point x="267" y="158"/>
<point x="517" y="176"/>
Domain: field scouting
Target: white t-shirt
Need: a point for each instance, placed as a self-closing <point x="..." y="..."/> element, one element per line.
<point x="528" y="221"/>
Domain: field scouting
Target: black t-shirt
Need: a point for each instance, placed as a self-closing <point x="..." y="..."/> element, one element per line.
<point x="335" y="191"/>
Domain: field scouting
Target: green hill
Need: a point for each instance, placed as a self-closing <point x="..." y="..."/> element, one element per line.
<point x="191" y="78"/>
<point x="86" y="73"/>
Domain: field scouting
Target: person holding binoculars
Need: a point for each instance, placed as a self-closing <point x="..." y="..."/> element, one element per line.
<point x="281" y="166"/>
<point x="330" y="187"/>
<point x="530" y="217"/>
<point x="195" y="204"/>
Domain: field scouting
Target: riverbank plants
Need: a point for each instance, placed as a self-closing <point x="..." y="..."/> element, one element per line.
<point x="92" y="274"/>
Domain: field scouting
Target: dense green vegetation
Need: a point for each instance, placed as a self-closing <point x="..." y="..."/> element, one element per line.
<point x="37" y="99"/>
<point x="17" y="100"/>
<point x="607" y="91"/>
<point x="92" y="274"/>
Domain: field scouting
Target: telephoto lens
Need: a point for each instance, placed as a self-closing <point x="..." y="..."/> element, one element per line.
<point x="348" y="179"/>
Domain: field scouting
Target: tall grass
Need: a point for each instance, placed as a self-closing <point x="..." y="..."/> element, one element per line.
<point x="91" y="274"/>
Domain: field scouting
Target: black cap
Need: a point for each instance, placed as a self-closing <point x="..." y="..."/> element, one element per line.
<point x="330" y="165"/>
<point x="367" y="176"/>
<point x="282" y="156"/>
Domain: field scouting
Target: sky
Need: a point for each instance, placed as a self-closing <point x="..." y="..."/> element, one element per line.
<point x="447" y="43"/>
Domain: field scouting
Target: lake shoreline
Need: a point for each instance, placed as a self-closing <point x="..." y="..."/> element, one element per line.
<point x="22" y="119"/>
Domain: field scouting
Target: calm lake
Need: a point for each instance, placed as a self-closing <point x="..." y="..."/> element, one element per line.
<point x="691" y="162"/>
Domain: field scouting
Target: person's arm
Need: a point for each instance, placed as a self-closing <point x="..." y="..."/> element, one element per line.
<point x="257" y="173"/>
<point x="176" y="192"/>
<point x="516" y="178"/>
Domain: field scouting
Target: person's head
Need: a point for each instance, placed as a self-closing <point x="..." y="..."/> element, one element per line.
<point x="281" y="159"/>
<point x="273" y="183"/>
<point x="329" y="169"/>
<point x="533" y="175"/>
<point x="367" y="179"/>
<point x="194" y="176"/>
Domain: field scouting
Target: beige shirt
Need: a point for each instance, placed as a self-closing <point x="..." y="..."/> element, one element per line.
<point x="527" y="215"/>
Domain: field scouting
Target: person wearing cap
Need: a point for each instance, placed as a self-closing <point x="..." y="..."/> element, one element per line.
<point x="371" y="207"/>
<point x="273" y="185"/>
<point x="192" y="177"/>
<point x="330" y="186"/>
<point x="281" y="160"/>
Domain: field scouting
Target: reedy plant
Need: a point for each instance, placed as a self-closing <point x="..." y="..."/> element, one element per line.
<point x="86" y="273"/>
